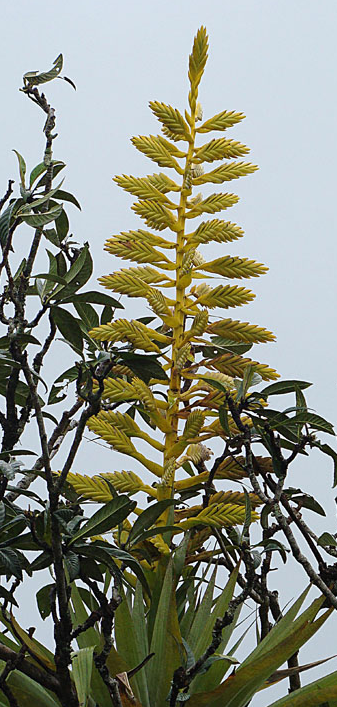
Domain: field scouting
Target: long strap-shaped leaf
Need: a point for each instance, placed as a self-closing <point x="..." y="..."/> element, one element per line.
<point x="312" y="695"/>
<point x="238" y="689"/>
<point x="165" y="644"/>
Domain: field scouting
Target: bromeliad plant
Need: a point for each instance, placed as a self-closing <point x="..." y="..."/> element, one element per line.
<point x="194" y="346"/>
<point x="202" y="392"/>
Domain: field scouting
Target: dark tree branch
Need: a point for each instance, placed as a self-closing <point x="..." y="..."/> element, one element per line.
<point x="8" y="193"/>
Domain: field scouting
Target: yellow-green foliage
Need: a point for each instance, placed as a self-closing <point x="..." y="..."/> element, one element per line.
<point x="186" y="292"/>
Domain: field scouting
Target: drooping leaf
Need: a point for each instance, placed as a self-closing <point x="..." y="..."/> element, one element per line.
<point x="43" y="600"/>
<point x="68" y="326"/>
<point x="66" y="196"/>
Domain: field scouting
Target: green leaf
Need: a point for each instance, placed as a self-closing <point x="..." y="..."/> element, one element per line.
<point x="145" y="367"/>
<point x="39" y="220"/>
<point x="165" y="643"/>
<point x="287" y="386"/>
<point x="222" y="344"/>
<point x="28" y="692"/>
<point x="304" y="500"/>
<point x="76" y="276"/>
<point x="72" y="564"/>
<point x="326" y="539"/>
<point x="68" y="326"/>
<point x="312" y="695"/>
<point x="50" y="277"/>
<point x="125" y="557"/>
<point x="91" y="637"/>
<point x="147" y="518"/>
<point x="36" y="172"/>
<point x="43" y="600"/>
<point x="248" y="516"/>
<point x="201" y="616"/>
<point x="326" y="449"/>
<point x="66" y="196"/>
<point x="315" y="421"/>
<point x="5" y="219"/>
<point x="283" y="640"/>
<point x="106" y="518"/>
<point x="10" y="561"/>
<point x="57" y="167"/>
<point x="87" y="314"/>
<point x="22" y="168"/>
<point x="159" y="530"/>
<point x="69" y="375"/>
<point x="94" y="298"/>
<point x="33" y="78"/>
<point x="214" y="383"/>
<point x="82" y="664"/>
<point x="35" y="648"/>
<point x="205" y="638"/>
<point x="62" y="225"/>
<point x="223" y="418"/>
<point x="8" y="596"/>
<point x="130" y="649"/>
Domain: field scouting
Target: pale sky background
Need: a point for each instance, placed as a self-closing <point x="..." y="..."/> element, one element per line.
<point x="274" y="60"/>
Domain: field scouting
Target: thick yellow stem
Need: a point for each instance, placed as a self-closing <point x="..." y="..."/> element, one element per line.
<point x="179" y="315"/>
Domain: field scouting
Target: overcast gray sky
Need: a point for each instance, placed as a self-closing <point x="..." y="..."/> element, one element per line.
<point x="275" y="60"/>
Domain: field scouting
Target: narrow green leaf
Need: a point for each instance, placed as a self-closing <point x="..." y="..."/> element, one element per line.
<point x="94" y="298"/>
<point x="106" y="518"/>
<point x="287" y="386"/>
<point x="312" y="695"/>
<point x="220" y="607"/>
<point x="62" y="225"/>
<point x="202" y="616"/>
<point x="129" y="648"/>
<point x="50" y="277"/>
<point x="82" y="665"/>
<point x="148" y="518"/>
<point x="22" y="168"/>
<point x="223" y="418"/>
<point x="165" y="643"/>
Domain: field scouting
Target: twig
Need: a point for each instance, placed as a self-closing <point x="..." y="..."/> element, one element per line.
<point x="8" y="193"/>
